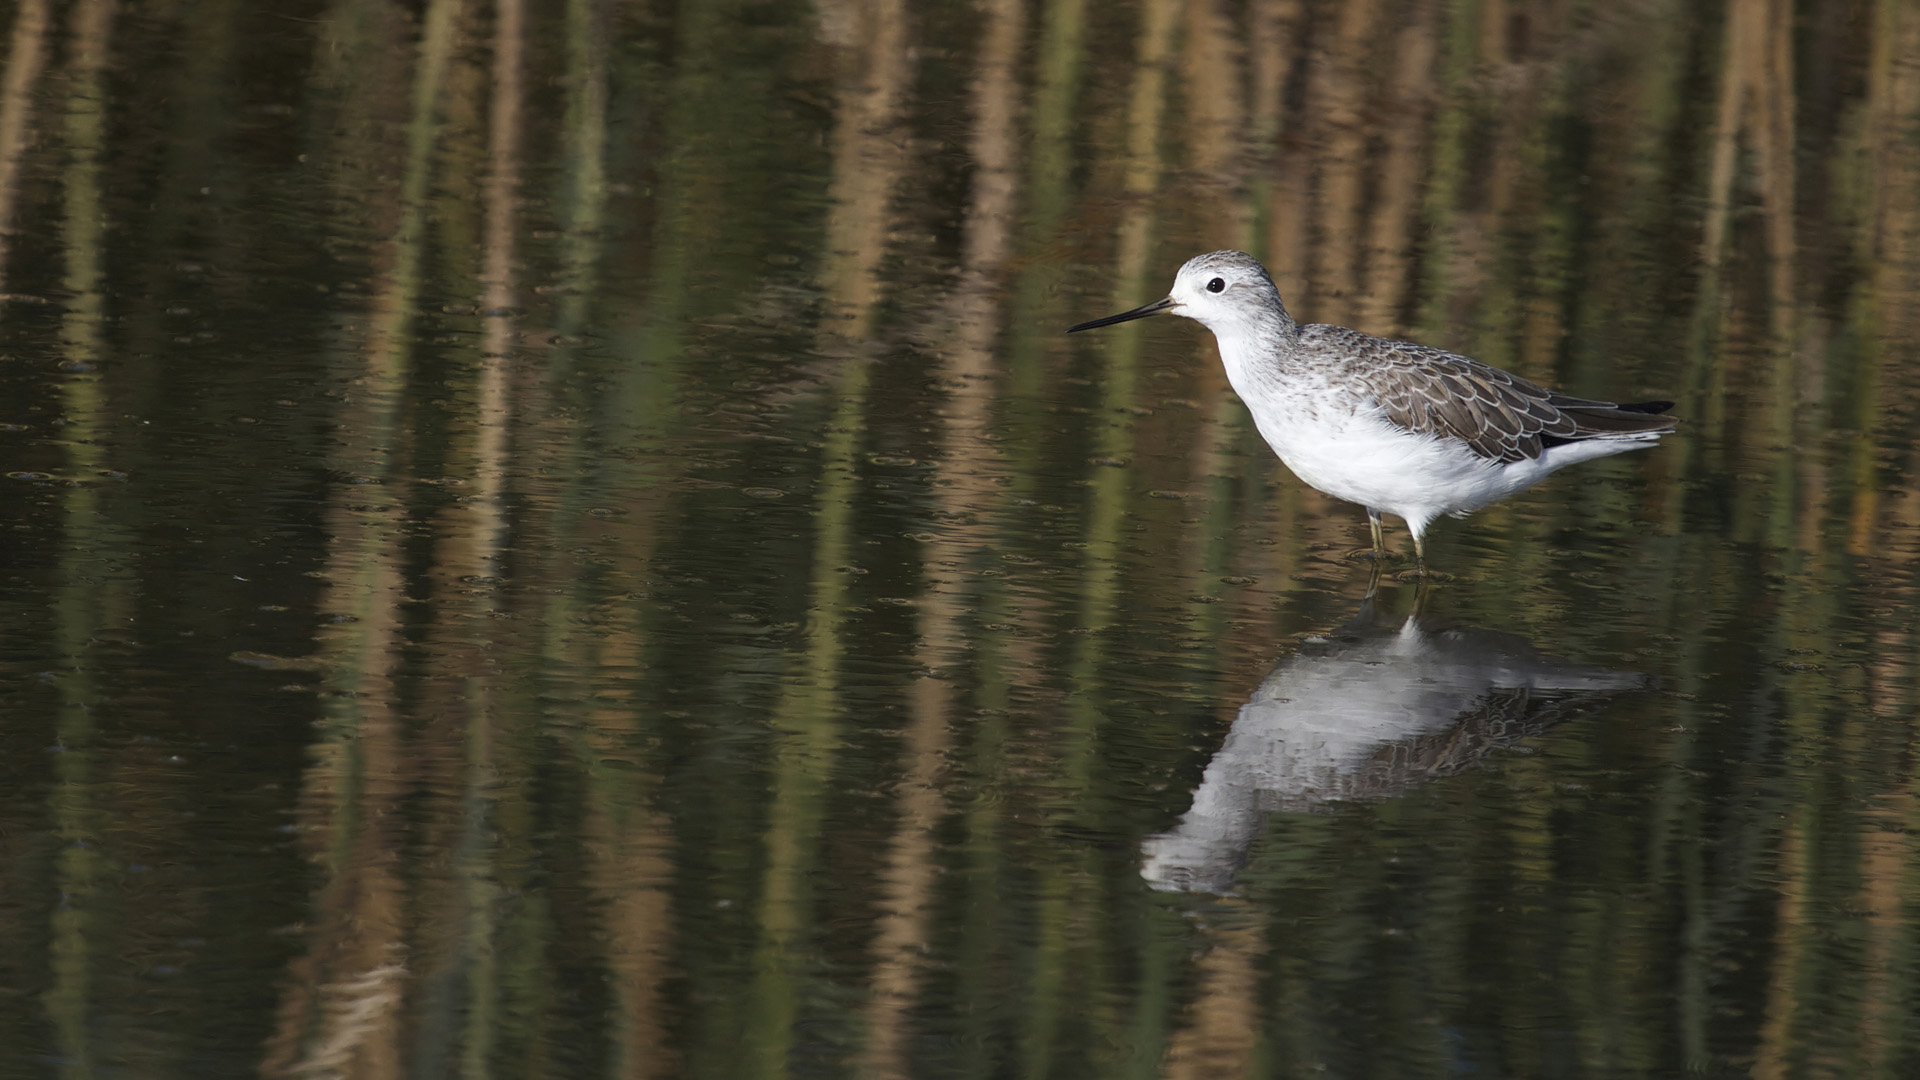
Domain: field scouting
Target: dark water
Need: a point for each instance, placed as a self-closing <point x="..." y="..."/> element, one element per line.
<point x="570" y="542"/>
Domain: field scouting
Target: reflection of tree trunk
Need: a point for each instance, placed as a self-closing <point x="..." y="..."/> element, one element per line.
<point x="1756" y="110"/>
<point x="84" y="603"/>
<point x="1887" y="852"/>
<point x="1222" y="137"/>
<point x="1893" y="134"/>
<point x="1049" y="992"/>
<point x="1302" y="231"/>
<point x="1888" y="245"/>
<point x="474" y="548"/>
<point x="995" y="145"/>
<point x="1111" y="494"/>
<point x="906" y="883"/>
<point x="962" y="485"/>
<point x="1442" y="264"/>
<point x="1774" y="1056"/>
<point x="964" y="479"/>
<point x="1114" y="441"/>
<point x="1757" y="104"/>
<point x="83" y="234"/>
<point x="25" y="55"/>
<point x="1146" y="106"/>
<point x="586" y="150"/>
<point x="341" y="1010"/>
<point x="1395" y="206"/>
<point x="1214" y="120"/>
<point x="1223" y="1024"/>
<point x="869" y="157"/>
<point x="629" y="845"/>
<point x="1339" y="85"/>
<point x="1056" y="91"/>
<point x="1276" y="44"/>
<point x="190" y="208"/>
<point x="493" y="411"/>
<point x="627" y="842"/>
<point x="1219" y="133"/>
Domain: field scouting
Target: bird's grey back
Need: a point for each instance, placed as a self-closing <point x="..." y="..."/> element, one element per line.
<point x="1501" y="416"/>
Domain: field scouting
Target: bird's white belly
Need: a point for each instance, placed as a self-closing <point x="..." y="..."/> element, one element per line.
<point x="1342" y="443"/>
<point x="1362" y="457"/>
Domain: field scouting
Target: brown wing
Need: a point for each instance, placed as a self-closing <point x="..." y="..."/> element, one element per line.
<point x="1501" y="416"/>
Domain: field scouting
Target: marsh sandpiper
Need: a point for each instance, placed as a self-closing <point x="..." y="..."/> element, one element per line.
<point x="1399" y="428"/>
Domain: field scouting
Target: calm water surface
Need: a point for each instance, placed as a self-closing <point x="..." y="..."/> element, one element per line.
<point x="569" y="541"/>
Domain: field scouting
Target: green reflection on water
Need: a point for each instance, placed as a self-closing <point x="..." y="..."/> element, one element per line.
<point x="646" y="588"/>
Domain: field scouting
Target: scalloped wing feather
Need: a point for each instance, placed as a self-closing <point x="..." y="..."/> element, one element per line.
<point x="1501" y="416"/>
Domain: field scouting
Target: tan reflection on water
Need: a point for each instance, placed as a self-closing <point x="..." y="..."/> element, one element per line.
<point x="867" y="163"/>
<point x="963" y="485"/>
<point x="340" y="1014"/>
<point x="86" y="606"/>
<point x="1383" y="201"/>
<point x="26" y="54"/>
<point x="1646" y="202"/>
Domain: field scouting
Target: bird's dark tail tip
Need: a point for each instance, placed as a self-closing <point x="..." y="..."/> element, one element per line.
<point x="1648" y="407"/>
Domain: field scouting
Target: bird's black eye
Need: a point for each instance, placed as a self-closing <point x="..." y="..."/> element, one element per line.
<point x="1216" y="284"/>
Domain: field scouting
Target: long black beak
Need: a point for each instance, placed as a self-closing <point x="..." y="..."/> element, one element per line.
<point x="1154" y="308"/>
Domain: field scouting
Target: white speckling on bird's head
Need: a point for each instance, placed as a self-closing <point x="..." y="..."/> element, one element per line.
<point x="1226" y="289"/>
<point x="1221" y="289"/>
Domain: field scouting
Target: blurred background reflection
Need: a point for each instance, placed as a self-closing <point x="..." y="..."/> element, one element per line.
<point x="562" y="540"/>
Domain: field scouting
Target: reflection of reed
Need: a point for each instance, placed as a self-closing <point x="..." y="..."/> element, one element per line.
<point x="1534" y="162"/>
<point x="868" y="160"/>
<point x="1282" y="182"/>
<point x="1774" y="1055"/>
<point x="1142" y="166"/>
<point x="1338" y="82"/>
<point x="974" y="323"/>
<point x="963" y="485"/>
<point x="1225" y="1022"/>
<point x="1055" y="94"/>
<point x="83" y="606"/>
<point x="1888" y="244"/>
<point x="1215" y="115"/>
<point x="493" y="411"/>
<point x="1886" y="853"/>
<point x="26" y="52"/>
<point x="1218" y="140"/>
<point x="588" y="634"/>
<point x="1062" y="889"/>
<point x="1756" y="110"/>
<point x="994" y="151"/>
<point x="1390" y="227"/>
<point x="340" y="1008"/>
<point x="454" y="953"/>
<point x="586" y="149"/>
<point x="1756" y="107"/>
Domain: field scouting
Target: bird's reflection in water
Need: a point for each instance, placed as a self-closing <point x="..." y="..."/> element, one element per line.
<point x="1367" y="712"/>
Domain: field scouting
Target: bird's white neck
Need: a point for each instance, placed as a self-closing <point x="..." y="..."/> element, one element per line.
<point x="1255" y="346"/>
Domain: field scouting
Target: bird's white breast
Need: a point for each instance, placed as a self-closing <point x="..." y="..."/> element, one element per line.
<point x="1336" y="439"/>
<point x="1361" y="456"/>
